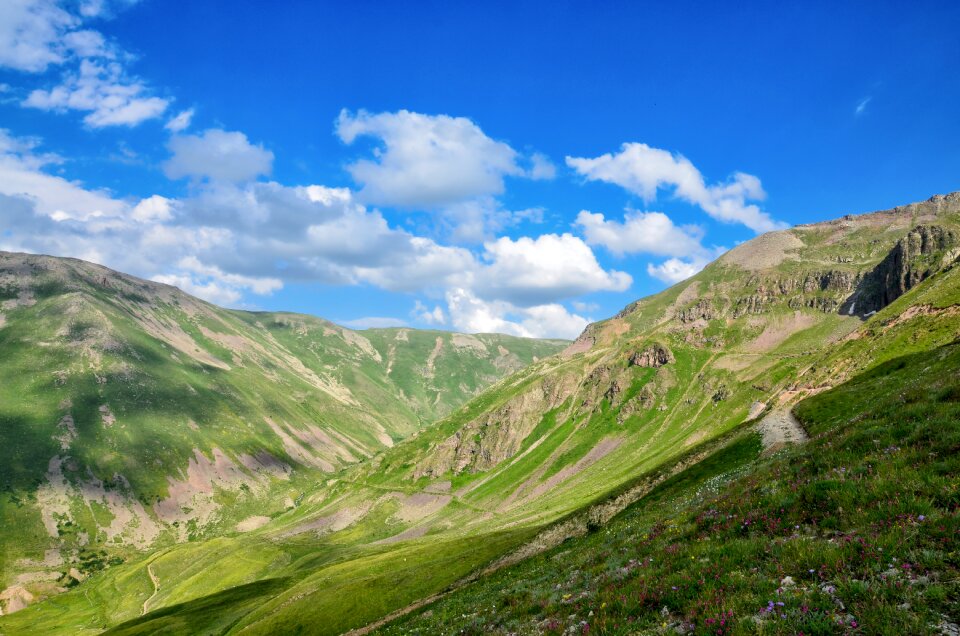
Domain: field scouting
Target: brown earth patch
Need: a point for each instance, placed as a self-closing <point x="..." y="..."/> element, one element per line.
<point x="765" y="251"/>
<point x="252" y="523"/>
<point x="420" y="505"/>
<point x="779" y="330"/>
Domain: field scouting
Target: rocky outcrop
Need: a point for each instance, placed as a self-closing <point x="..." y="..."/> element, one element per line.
<point x="498" y="434"/>
<point x="921" y="253"/>
<point x="702" y="310"/>
<point x="656" y="355"/>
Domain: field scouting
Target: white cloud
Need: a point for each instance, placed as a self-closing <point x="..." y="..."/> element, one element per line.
<point x="674" y="270"/>
<point x="37" y="34"/>
<point x="373" y="322"/>
<point x="473" y="315"/>
<point x="180" y="122"/>
<point x="584" y="307"/>
<point x="426" y="161"/>
<point x="217" y="155"/>
<point x="442" y="164"/>
<point x="208" y="290"/>
<point x="541" y="167"/>
<point x="87" y="43"/>
<point x="101" y="90"/>
<point x="31" y="34"/>
<point x="227" y="241"/>
<point x="151" y="209"/>
<point x="528" y="272"/>
<point x="862" y="106"/>
<point x="424" y="314"/>
<point x="644" y="170"/>
<point x="641" y="232"/>
<point x="21" y="174"/>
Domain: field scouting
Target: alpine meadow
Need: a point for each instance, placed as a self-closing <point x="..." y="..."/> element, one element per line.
<point x="730" y="408"/>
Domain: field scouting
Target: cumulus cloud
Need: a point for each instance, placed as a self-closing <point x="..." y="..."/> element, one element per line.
<point x="103" y="91"/>
<point x="441" y="164"/>
<point x="652" y="233"/>
<point x="424" y="314"/>
<point x="674" y="270"/>
<point x="37" y="34"/>
<point x="641" y="232"/>
<point x="153" y="209"/>
<point x="180" y="122"/>
<point x="541" y="168"/>
<point x="643" y="170"/>
<point x="21" y="174"/>
<point x="217" y="155"/>
<point x="473" y="315"/>
<point x="229" y="240"/>
<point x="551" y="267"/>
<point x="31" y="34"/>
<point x="426" y="161"/>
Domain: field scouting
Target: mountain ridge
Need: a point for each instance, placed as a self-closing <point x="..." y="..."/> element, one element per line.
<point x="135" y="414"/>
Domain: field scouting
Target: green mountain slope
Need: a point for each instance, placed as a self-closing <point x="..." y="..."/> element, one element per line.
<point x="856" y="532"/>
<point x="641" y="402"/>
<point x="134" y="416"/>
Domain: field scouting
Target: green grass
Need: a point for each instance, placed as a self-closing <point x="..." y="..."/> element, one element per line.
<point x="864" y="519"/>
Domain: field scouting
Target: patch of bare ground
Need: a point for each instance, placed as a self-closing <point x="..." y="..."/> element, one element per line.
<point x="765" y="251"/>
<point x="603" y="448"/>
<point x="432" y="358"/>
<point x="410" y="533"/>
<point x="420" y="506"/>
<point x="780" y="428"/>
<point x="252" y="523"/>
<point x="689" y="294"/>
<point x="339" y="520"/>
<point x="917" y="311"/>
<point x="192" y="497"/>
<point x="66" y="432"/>
<point x="14" y="598"/>
<point x="296" y="450"/>
<point x="778" y="330"/>
<point x="466" y="341"/>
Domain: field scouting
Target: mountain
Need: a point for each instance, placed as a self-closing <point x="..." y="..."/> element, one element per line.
<point x="134" y="416"/>
<point x="642" y="440"/>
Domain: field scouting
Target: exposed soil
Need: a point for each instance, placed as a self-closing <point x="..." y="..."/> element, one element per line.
<point x="252" y="523"/>
<point x="779" y="330"/>
<point x="766" y="251"/>
<point x="780" y="428"/>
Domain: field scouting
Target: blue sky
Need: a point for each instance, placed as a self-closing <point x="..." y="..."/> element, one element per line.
<point x="514" y="167"/>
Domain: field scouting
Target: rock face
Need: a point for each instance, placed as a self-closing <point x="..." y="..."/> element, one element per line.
<point x="915" y="257"/>
<point x="654" y="356"/>
<point x="498" y="434"/>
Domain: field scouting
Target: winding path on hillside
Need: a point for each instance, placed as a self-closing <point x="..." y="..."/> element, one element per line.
<point x="156" y="588"/>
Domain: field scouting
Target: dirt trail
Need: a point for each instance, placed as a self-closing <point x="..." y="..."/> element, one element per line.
<point x="156" y="588"/>
<point x="779" y="428"/>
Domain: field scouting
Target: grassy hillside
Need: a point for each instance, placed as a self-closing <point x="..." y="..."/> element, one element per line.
<point x="855" y="532"/>
<point x="656" y="405"/>
<point x="133" y="416"/>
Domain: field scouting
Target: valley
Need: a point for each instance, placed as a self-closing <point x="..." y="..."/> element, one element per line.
<point x="178" y="468"/>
